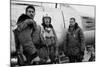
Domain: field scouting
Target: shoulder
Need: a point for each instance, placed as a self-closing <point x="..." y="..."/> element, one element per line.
<point x="78" y="29"/>
<point x="22" y="17"/>
<point x="42" y="29"/>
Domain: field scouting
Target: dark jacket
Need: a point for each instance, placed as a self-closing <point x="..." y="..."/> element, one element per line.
<point x="74" y="41"/>
<point x="24" y="33"/>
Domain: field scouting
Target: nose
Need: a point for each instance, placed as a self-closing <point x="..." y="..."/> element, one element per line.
<point x="30" y="12"/>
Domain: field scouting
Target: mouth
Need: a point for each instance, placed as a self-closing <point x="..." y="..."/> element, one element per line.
<point x="31" y="16"/>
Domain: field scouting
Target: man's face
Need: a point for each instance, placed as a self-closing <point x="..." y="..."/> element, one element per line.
<point x="72" y="22"/>
<point x="30" y="12"/>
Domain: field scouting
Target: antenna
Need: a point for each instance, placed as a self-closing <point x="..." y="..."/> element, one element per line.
<point x="56" y="5"/>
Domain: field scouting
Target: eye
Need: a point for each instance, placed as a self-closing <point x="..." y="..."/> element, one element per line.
<point x="32" y="11"/>
<point x="29" y="11"/>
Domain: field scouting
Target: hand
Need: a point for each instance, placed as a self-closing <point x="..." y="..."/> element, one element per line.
<point x="22" y="26"/>
<point x="28" y="21"/>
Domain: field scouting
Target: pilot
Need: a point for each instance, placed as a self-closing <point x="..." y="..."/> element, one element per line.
<point x="49" y="37"/>
<point x="74" y="42"/>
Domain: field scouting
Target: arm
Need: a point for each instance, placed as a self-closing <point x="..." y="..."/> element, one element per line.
<point x="42" y="36"/>
<point x="54" y="34"/>
<point x="23" y="24"/>
<point x="82" y="40"/>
